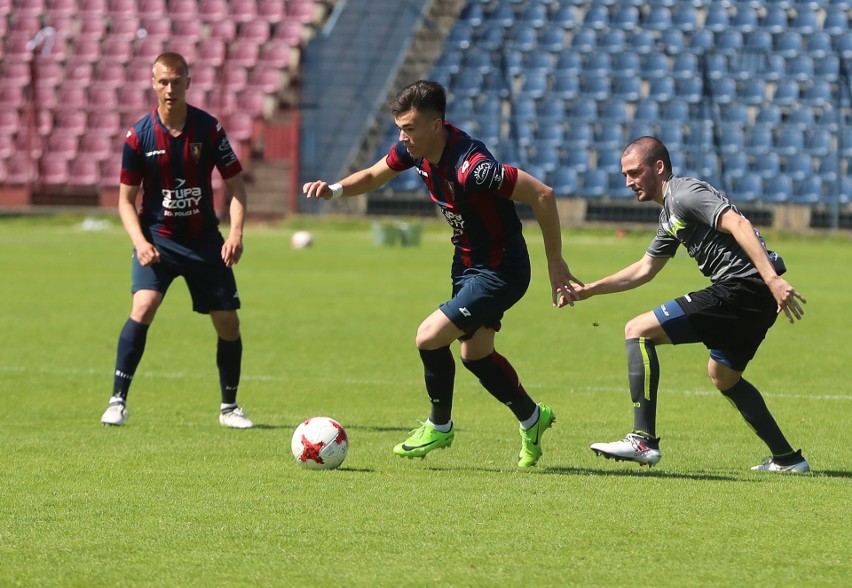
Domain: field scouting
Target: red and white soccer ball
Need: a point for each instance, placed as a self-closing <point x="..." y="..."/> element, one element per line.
<point x="320" y="443"/>
<point x="301" y="240"/>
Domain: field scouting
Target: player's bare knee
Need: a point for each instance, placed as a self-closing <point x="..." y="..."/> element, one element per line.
<point x="634" y="329"/>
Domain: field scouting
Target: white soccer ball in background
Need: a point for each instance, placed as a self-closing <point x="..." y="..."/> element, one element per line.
<point x="320" y="443"/>
<point x="301" y="239"/>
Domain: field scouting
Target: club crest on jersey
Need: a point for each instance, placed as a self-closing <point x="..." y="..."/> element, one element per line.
<point x="195" y="149"/>
<point x="480" y="172"/>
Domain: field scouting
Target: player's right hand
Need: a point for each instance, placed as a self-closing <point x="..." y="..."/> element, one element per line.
<point x="147" y="254"/>
<point x="317" y="189"/>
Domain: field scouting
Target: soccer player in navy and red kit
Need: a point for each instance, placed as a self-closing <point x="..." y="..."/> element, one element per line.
<point x="491" y="265"/>
<point x="171" y="152"/>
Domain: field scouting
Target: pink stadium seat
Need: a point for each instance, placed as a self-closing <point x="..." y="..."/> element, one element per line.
<point x="211" y="52"/>
<point x="242" y="53"/>
<point x="14" y="72"/>
<point x="186" y="47"/>
<point x="183" y="9"/>
<point x="151" y="9"/>
<point x="78" y="71"/>
<point x="189" y="29"/>
<point x="159" y="28"/>
<point x="224" y="30"/>
<point x="243" y="10"/>
<point x="116" y="50"/>
<point x="62" y="7"/>
<point x="110" y="74"/>
<point x="98" y="8"/>
<point x="148" y="48"/>
<point x="29" y="7"/>
<point x="272" y="11"/>
<point x="110" y="170"/>
<point x="5" y="7"/>
<point x="107" y="122"/>
<point x="303" y="11"/>
<point x="266" y="79"/>
<point x="289" y="32"/>
<point x="3" y="171"/>
<point x="102" y="96"/>
<point x="72" y="98"/>
<point x="135" y="101"/>
<point x="137" y="72"/>
<point x="122" y="8"/>
<point x="86" y="49"/>
<point x="9" y="122"/>
<point x="256" y="31"/>
<point x="71" y="123"/>
<point x="84" y="172"/>
<point x="44" y="121"/>
<point x="16" y="45"/>
<point x="54" y="170"/>
<point x="275" y="54"/>
<point x="214" y="10"/>
<point x="252" y="102"/>
<point x="11" y="97"/>
<point x="25" y="23"/>
<point x="93" y="26"/>
<point x="203" y="77"/>
<point x="19" y="169"/>
<point x="97" y="146"/>
<point x="239" y="126"/>
<point x="7" y="145"/>
<point x="124" y="26"/>
<point x="62" y="146"/>
<point x="234" y="78"/>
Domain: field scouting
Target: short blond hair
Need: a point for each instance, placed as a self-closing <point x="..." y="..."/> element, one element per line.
<point x="172" y="60"/>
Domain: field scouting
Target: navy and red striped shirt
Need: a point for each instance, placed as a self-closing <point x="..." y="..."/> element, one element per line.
<point x="176" y="172"/>
<point x="474" y="192"/>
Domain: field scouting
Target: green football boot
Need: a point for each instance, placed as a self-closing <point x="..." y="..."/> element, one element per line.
<point x="531" y="438"/>
<point x="423" y="440"/>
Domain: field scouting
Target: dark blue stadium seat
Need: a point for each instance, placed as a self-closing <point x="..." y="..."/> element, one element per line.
<point x="566" y="84"/>
<point x="791" y="140"/>
<point x="786" y="93"/>
<point x="745" y="19"/>
<point x="818" y="94"/>
<point x="662" y="89"/>
<point x="642" y="42"/>
<point x="627" y="88"/>
<point x="597" y="87"/>
<point x="646" y="109"/>
<point x="565" y="181"/>
<point x="596" y="16"/>
<point x="597" y="64"/>
<point x="775" y="20"/>
<point x="575" y="157"/>
<point x="789" y="44"/>
<point x="717" y="18"/>
<point x="747" y="188"/>
<point x="819" y="142"/>
<point x="778" y="189"/>
<point x="656" y="65"/>
<point x="626" y="17"/>
<point x="760" y="139"/>
<point x="580" y="135"/>
<point x="800" y="68"/>
<point x="595" y="183"/>
<point x="767" y="165"/>
<point x="798" y="167"/>
<point x="552" y="38"/>
<point x="685" y="17"/>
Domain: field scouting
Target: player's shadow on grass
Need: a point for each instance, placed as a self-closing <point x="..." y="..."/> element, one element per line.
<point x="637" y="473"/>
<point x="830" y="474"/>
<point x="375" y="429"/>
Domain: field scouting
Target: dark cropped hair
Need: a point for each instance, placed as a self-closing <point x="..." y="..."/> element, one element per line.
<point x="421" y="95"/>
<point x="650" y="150"/>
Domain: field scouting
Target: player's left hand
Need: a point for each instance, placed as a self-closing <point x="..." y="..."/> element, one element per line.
<point x="562" y="291"/>
<point x="232" y="251"/>
<point x="788" y="299"/>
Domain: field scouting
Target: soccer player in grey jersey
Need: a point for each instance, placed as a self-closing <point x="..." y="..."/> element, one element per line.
<point x="731" y="316"/>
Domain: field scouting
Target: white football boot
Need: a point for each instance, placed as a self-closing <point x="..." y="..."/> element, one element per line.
<point x="115" y="413"/>
<point x="235" y="419"/>
<point x="769" y="465"/>
<point x="632" y="448"/>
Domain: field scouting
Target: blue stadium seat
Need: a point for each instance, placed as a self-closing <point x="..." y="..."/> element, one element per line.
<point x="767" y="165"/>
<point x="769" y="113"/>
<point x="549" y="136"/>
<point x="627" y="88"/>
<point x="565" y="181"/>
<point x="684" y="65"/>
<point x="626" y="64"/>
<point x="820" y="44"/>
<point x="546" y="158"/>
<point x="472" y="13"/>
<point x="523" y="132"/>
<point x="551" y="110"/>
<point x="584" y="110"/>
<point x="836" y="21"/>
<point x="684" y="17"/>
<point x="819" y="142"/>
<point x="513" y="62"/>
<point x="798" y="167"/>
<point x="646" y="109"/>
<point x="613" y="42"/>
<point x="747" y="188"/>
<point x="613" y="111"/>
<point x="731" y="137"/>
<point x="752" y="92"/>
<point x="540" y="60"/>
<point x="598" y="64"/>
<point x="460" y="109"/>
<point x="702" y="40"/>
<point x="734" y="166"/>
<point x="617" y="186"/>
<point x="566" y="84"/>
<point x="475" y="59"/>
<point x="807" y="191"/>
<point x="597" y="87"/>
<point x="671" y="136"/>
<point x="775" y="20"/>
<point x="642" y="42"/>
<point x="805" y="21"/>
<point x="469" y="85"/>
<point x="504" y="15"/>
<point x="523" y="38"/>
<point x="778" y="189"/>
<point x="639" y="128"/>
<point x="673" y="41"/>
<point x="791" y="140"/>
<point x="717" y="18"/>
<point x="584" y="40"/>
<point x="576" y="158"/>
<point x="579" y="135"/>
<point x="690" y="90"/>
<point x="818" y="94"/>
<point x="760" y="139"/>
<point x="729" y="42"/>
<point x="596" y="16"/>
<point x="735" y="112"/>
<point x="843" y="46"/>
<point x="552" y="38"/>
<point x="758" y="40"/>
<point x="800" y="68"/>
<point x="656" y="65"/>
<point x="565" y="16"/>
<point x="524" y="109"/>
<point x="626" y="17"/>
<point x="662" y="89"/>
<point x="827" y="68"/>
<point x="723" y="90"/>
<point x="568" y="61"/>
<point x="460" y="36"/>
<point x="659" y="19"/>
<point x="706" y="165"/>
<point x="490" y="130"/>
<point x="534" y="15"/>
<point x="676" y="110"/>
<point x="595" y="183"/>
<point x="491" y="37"/>
<point x="786" y="93"/>
<point x="610" y="137"/>
<point x="609" y="159"/>
<point x="789" y="44"/>
<point x="802" y="116"/>
<point x="745" y="19"/>
<point x="535" y="84"/>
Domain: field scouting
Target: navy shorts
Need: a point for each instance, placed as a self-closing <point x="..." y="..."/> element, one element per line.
<point x="482" y="295"/>
<point x="730" y="318"/>
<point x="211" y="283"/>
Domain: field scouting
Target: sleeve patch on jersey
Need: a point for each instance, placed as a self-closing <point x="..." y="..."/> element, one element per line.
<point x="487" y="175"/>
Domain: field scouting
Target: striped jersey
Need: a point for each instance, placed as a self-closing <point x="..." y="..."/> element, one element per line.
<point x="176" y="172"/>
<point x="474" y="193"/>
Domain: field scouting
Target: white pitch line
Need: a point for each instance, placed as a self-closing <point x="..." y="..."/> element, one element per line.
<point x="381" y="382"/>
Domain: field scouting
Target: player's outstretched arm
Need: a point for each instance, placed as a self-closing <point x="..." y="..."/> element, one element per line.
<point x="358" y="183"/>
<point x="633" y="276"/>
<point x="785" y="295"/>
<point x="540" y="197"/>
<point x="232" y="250"/>
<point x="146" y="253"/>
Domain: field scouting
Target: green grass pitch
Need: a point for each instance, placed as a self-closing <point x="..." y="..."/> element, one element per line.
<point x="173" y="499"/>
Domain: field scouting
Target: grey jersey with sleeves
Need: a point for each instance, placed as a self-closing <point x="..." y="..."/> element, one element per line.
<point x="691" y="211"/>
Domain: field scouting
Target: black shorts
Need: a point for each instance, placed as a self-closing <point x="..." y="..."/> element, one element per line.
<point x="211" y="283"/>
<point x="482" y="295"/>
<point x="730" y="318"/>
